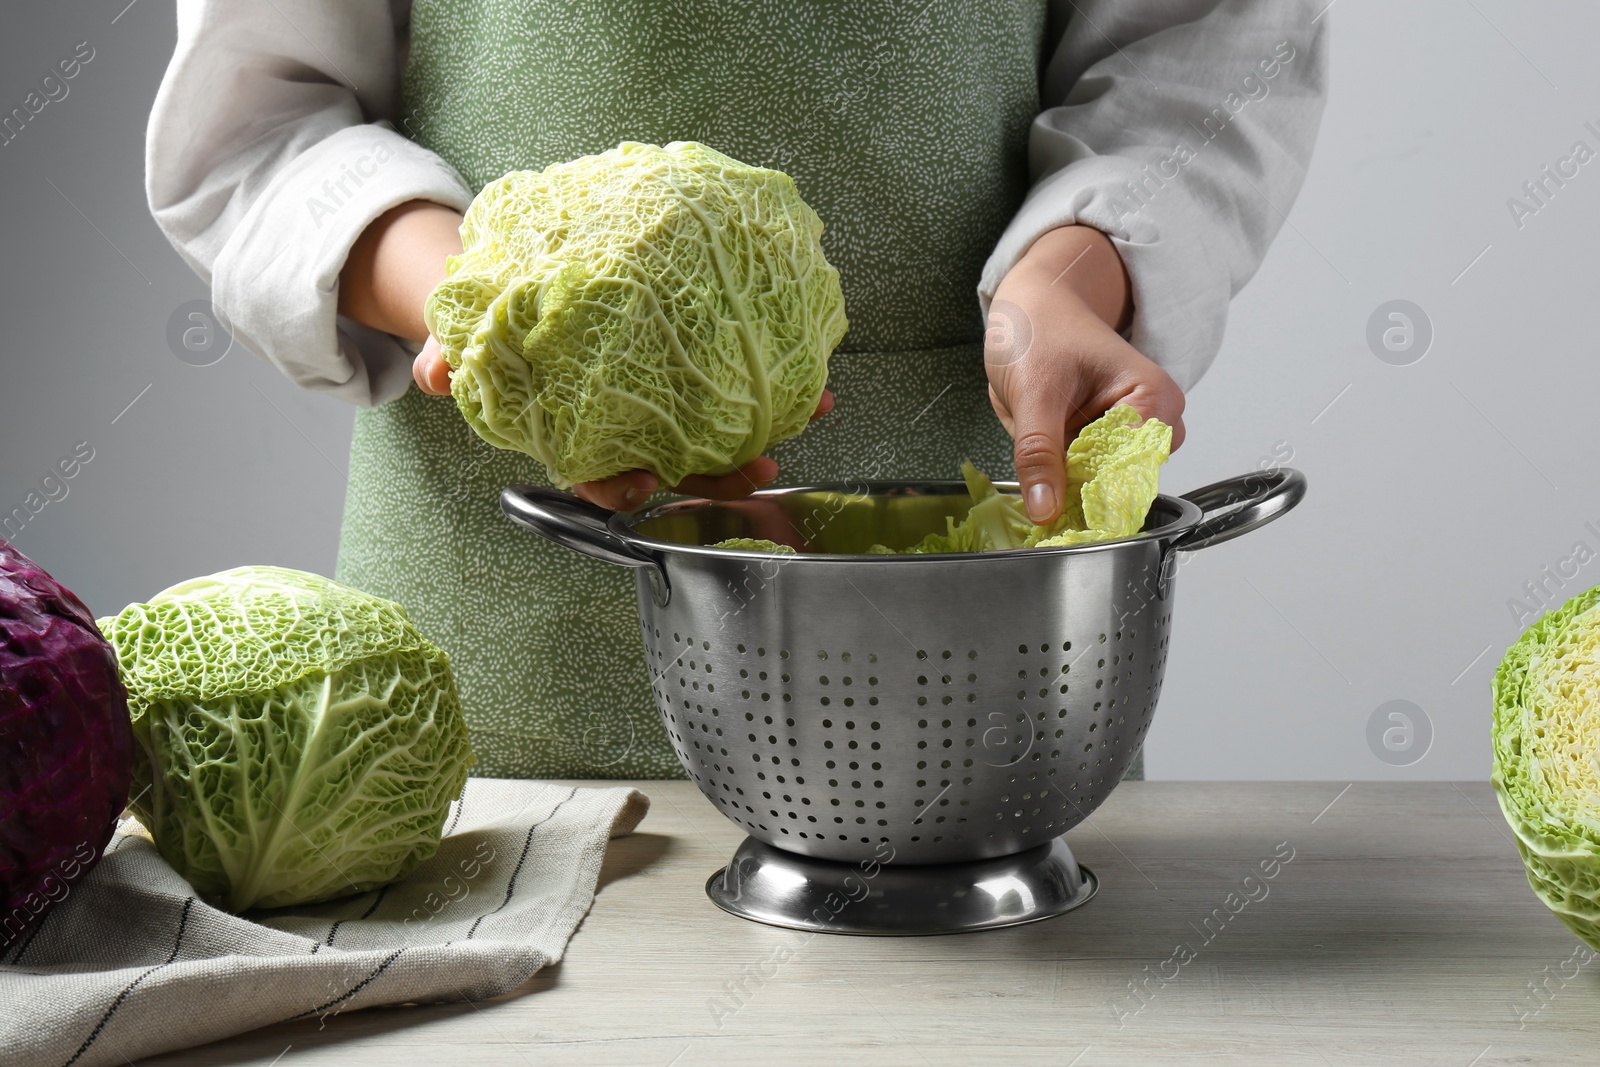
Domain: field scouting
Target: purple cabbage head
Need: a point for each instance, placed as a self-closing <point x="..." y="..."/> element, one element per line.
<point x="66" y="745"/>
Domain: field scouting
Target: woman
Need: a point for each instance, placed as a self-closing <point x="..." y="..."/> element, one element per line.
<point x="1104" y="173"/>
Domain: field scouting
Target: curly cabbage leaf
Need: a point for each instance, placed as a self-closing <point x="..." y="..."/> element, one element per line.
<point x="755" y="544"/>
<point x="1113" y="475"/>
<point x="1546" y="776"/>
<point x="995" y="519"/>
<point x="1114" y="465"/>
<point x="301" y="739"/>
<point x="957" y="537"/>
<point x="668" y="309"/>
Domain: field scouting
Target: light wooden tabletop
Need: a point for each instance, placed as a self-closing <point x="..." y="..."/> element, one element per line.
<point x="1402" y="931"/>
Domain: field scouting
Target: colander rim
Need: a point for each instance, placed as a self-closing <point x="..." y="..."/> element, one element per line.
<point x="621" y="524"/>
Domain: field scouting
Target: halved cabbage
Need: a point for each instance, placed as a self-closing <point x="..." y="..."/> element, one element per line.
<point x="1546" y="745"/>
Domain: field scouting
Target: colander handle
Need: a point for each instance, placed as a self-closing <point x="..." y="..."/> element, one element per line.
<point x="1236" y="506"/>
<point x="578" y="525"/>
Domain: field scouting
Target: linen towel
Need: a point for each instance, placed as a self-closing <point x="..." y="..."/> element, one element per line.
<point x="131" y="963"/>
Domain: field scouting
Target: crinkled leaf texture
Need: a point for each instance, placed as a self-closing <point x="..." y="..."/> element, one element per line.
<point x="303" y="740"/>
<point x="1113" y="476"/>
<point x="756" y="544"/>
<point x="1546" y="746"/>
<point x="668" y="309"/>
<point x="1114" y="464"/>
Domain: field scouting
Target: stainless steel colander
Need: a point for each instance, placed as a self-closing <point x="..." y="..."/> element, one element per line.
<point x="948" y="708"/>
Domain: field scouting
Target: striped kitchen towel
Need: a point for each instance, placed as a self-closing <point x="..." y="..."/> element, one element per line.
<point x="132" y="964"/>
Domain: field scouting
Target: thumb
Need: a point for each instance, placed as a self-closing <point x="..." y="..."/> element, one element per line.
<point x="430" y="370"/>
<point x="1039" y="428"/>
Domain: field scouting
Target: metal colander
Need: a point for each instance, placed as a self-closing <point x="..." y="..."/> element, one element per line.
<point x="956" y="707"/>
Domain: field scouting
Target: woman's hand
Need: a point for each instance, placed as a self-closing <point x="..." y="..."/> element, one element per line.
<point x="626" y="491"/>
<point x="392" y="268"/>
<point x="1055" y="360"/>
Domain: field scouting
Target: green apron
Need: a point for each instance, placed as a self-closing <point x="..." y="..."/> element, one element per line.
<point x="904" y="125"/>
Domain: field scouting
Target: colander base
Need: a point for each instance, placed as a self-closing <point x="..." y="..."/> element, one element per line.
<point x="877" y="898"/>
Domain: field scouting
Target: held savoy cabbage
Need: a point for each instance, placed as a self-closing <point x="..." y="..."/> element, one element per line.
<point x="660" y="308"/>
<point x="302" y="740"/>
<point x="1546" y="746"/>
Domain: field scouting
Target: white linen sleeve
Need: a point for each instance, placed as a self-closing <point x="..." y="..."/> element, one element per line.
<point x="271" y="147"/>
<point x="1182" y="129"/>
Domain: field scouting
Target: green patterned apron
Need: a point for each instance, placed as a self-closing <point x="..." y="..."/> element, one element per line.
<point x="904" y="125"/>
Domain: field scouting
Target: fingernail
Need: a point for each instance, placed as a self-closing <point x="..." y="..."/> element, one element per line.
<point x="1041" y="503"/>
<point x="631" y="496"/>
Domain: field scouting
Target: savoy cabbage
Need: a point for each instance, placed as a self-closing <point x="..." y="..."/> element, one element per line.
<point x="301" y="740"/>
<point x="668" y="309"/>
<point x="1546" y="775"/>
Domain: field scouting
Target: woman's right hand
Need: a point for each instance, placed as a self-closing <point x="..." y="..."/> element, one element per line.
<point x="430" y="370"/>
<point x="626" y="491"/>
<point x="396" y="263"/>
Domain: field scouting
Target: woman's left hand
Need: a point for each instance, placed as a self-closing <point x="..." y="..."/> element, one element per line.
<point x="1056" y="362"/>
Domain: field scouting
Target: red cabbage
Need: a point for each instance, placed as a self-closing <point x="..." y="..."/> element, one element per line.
<point x="66" y="744"/>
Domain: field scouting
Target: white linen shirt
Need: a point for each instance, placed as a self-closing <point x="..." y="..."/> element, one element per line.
<point x="1180" y="128"/>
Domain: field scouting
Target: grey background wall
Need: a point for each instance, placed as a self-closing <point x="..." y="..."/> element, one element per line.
<point x="1439" y="488"/>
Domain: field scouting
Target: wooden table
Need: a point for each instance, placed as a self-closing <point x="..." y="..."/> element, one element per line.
<point x="1402" y="930"/>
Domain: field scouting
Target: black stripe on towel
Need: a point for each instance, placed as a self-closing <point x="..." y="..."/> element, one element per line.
<point x="116" y="844"/>
<point x="358" y="987"/>
<point x="33" y="933"/>
<point x="177" y="943"/>
<point x="334" y="929"/>
<point x="511" y="883"/>
<point x="461" y="804"/>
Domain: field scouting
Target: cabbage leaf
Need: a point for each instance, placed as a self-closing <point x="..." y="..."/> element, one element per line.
<point x="1113" y="476"/>
<point x="755" y="544"/>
